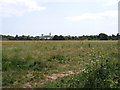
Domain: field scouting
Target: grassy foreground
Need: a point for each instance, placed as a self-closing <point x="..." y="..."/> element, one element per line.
<point x="30" y="63"/>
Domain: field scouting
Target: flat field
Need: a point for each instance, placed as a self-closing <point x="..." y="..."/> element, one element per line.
<point x="66" y="64"/>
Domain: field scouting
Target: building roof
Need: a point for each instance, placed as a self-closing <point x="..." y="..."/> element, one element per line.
<point x="46" y="36"/>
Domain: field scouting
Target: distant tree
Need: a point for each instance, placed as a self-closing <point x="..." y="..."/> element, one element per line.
<point x="76" y="38"/>
<point x="23" y="37"/>
<point x="69" y="37"/>
<point x="56" y="37"/>
<point x="103" y="36"/>
<point x="29" y="38"/>
<point x="10" y="37"/>
<point x="114" y="37"/>
<point x="37" y="38"/>
<point x="32" y="38"/>
<point x="61" y="37"/>
<point x="16" y="37"/>
<point x="118" y="36"/>
<point x="80" y="37"/>
<point x="84" y="37"/>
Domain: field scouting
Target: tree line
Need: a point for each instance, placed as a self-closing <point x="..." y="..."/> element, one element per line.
<point x="101" y="36"/>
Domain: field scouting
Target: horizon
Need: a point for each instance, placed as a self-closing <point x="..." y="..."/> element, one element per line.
<point x="60" y="17"/>
<point x="60" y="34"/>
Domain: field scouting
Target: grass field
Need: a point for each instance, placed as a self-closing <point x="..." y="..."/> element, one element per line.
<point x="43" y="64"/>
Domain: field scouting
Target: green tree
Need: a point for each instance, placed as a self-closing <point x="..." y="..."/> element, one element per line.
<point x="114" y="37"/>
<point x="56" y="37"/>
<point x="118" y="36"/>
<point x="61" y="37"/>
<point x="16" y="37"/>
<point x="103" y="36"/>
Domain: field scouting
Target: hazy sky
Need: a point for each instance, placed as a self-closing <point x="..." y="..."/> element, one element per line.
<point x="65" y="17"/>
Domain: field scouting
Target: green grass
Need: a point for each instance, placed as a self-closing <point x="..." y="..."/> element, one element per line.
<point x="97" y="62"/>
<point x="104" y="75"/>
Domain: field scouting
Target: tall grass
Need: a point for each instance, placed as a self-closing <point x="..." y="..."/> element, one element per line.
<point x="102" y="74"/>
<point x="25" y="62"/>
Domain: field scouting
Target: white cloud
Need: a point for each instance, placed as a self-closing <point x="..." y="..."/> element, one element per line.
<point x="102" y="2"/>
<point x="99" y="1"/>
<point x="71" y="0"/>
<point x="93" y="16"/>
<point x="18" y="7"/>
<point x="111" y="3"/>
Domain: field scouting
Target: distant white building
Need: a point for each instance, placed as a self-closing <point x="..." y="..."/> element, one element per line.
<point x="46" y="36"/>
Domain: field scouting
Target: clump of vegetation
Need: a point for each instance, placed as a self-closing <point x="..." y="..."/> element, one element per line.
<point x="59" y="58"/>
<point x="106" y="75"/>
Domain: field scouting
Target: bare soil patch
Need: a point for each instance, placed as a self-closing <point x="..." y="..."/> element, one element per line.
<point x="52" y="77"/>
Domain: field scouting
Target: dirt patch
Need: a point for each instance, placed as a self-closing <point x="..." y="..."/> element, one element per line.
<point x="52" y="77"/>
<point x="60" y="75"/>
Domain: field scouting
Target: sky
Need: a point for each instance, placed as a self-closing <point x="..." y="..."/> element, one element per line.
<point x="59" y="17"/>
